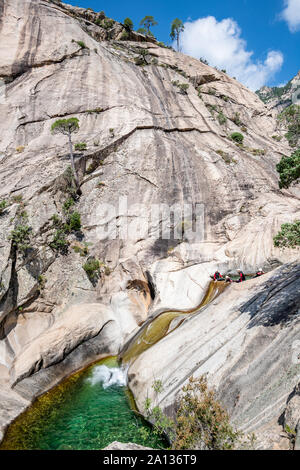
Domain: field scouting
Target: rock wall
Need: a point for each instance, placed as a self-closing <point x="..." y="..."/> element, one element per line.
<point x="148" y="141"/>
<point x="246" y="341"/>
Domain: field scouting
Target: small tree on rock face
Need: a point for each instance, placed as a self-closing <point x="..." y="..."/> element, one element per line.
<point x="128" y="24"/>
<point x="177" y="28"/>
<point x="289" y="169"/>
<point x="147" y="22"/>
<point x="68" y="127"/>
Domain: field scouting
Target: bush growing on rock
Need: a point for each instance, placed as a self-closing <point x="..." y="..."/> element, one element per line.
<point x="183" y="87"/>
<point x="202" y="423"/>
<point x="74" y="222"/>
<point x="142" y="58"/>
<point x="289" y="169"/>
<point x="81" y="44"/>
<point x="204" y="61"/>
<point x="237" y="137"/>
<point x="289" y="236"/>
<point x="236" y="119"/>
<point x="107" y="23"/>
<point x="222" y="118"/>
<point x="92" y="269"/>
<point x="3" y="205"/>
<point x="18" y="198"/>
<point x="59" y="242"/>
<point x="20" y="236"/>
<point x="80" y="146"/>
<point x="128" y="24"/>
<point x="291" y="118"/>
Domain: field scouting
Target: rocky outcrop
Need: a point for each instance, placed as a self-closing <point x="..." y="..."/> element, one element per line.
<point x="279" y="98"/>
<point x="148" y="141"/>
<point x="292" y="411"/>
<point x="244" y="340"/>
<point x="125" y="446"/>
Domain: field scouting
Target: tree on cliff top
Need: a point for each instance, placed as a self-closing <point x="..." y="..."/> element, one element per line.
<point x="68" y="127"/>
<point x="147" y="22"/>
<point x="177" y="27"/>
<point x="128" y="24"/>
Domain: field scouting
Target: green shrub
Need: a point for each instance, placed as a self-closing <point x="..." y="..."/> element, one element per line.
<point x="59" y="242"/>
<point x="201" y="420"/>
<point x="183" y="87"/>
<point x="20" y="237"/>
<point x="80" y="146"/>
<point x="142" y="58"/>
<point x="83" y="250"/>
<point x="212" y="108"/>
<point x="222" y="118"/>
<point x="108" y="23"/>
<point x="81" y="44"/>
<point x="95" y="111"/>
<point x="289" y="169"/>
<point x="3" y="205"/>
<point x="236" y="119"/>
<point x="289" y="236"/>
<point x="204" y="61"/>
<point x="291" y="118"/>
<point x="237" y="137"/>
<point x="68" y="204"/>
<point x="92" y="269"/>
<point x="258" y="152"/>
<point x="226" y="157"/>
<point x="56" y="220"/>
<point x="224" y="97"/>
<point x="17" y="198"/>
<point x="128" y="24"/>
<point x="125" y="36"/>
<point x="42" y="282"/>
<point x="73" y="223"/>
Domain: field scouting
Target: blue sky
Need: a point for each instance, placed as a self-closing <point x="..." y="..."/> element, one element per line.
<point x="270" y="29"/>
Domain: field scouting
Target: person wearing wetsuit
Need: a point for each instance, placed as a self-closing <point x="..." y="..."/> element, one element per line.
<point x="217" y="276"/>
<point x="242" y="276"/>
<point x="260" y="272"/>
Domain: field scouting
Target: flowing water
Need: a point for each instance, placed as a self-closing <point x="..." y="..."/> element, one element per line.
<point x="164" y="324"/>
<point x="93" y="408"/>
<point x="89" y="410"/>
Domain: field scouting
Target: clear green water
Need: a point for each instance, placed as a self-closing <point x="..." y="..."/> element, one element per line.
<point x="80" y="414"/>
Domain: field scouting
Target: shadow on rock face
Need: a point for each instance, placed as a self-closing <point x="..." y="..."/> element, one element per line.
<point x="278" y="302"/>
<point x="161" y="247"/>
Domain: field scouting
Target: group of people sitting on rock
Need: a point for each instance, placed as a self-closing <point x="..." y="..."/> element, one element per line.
<point x="218" y="277"/>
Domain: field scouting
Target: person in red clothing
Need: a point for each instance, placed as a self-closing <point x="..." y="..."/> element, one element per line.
<point x="242" y="276"/>
<point x="260" y="272"/>
<point x="218" y="277"/>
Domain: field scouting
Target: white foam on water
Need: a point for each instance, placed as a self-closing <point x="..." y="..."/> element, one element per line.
<point x="108" y="376"/>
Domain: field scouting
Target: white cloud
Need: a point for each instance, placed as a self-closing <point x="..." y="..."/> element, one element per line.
<point x="291" y="14"/>
<point x="221" y="44"/>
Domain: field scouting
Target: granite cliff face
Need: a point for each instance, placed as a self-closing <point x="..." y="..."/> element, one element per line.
<point x="149" y="139"/>
<point x="279" y="98"/>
